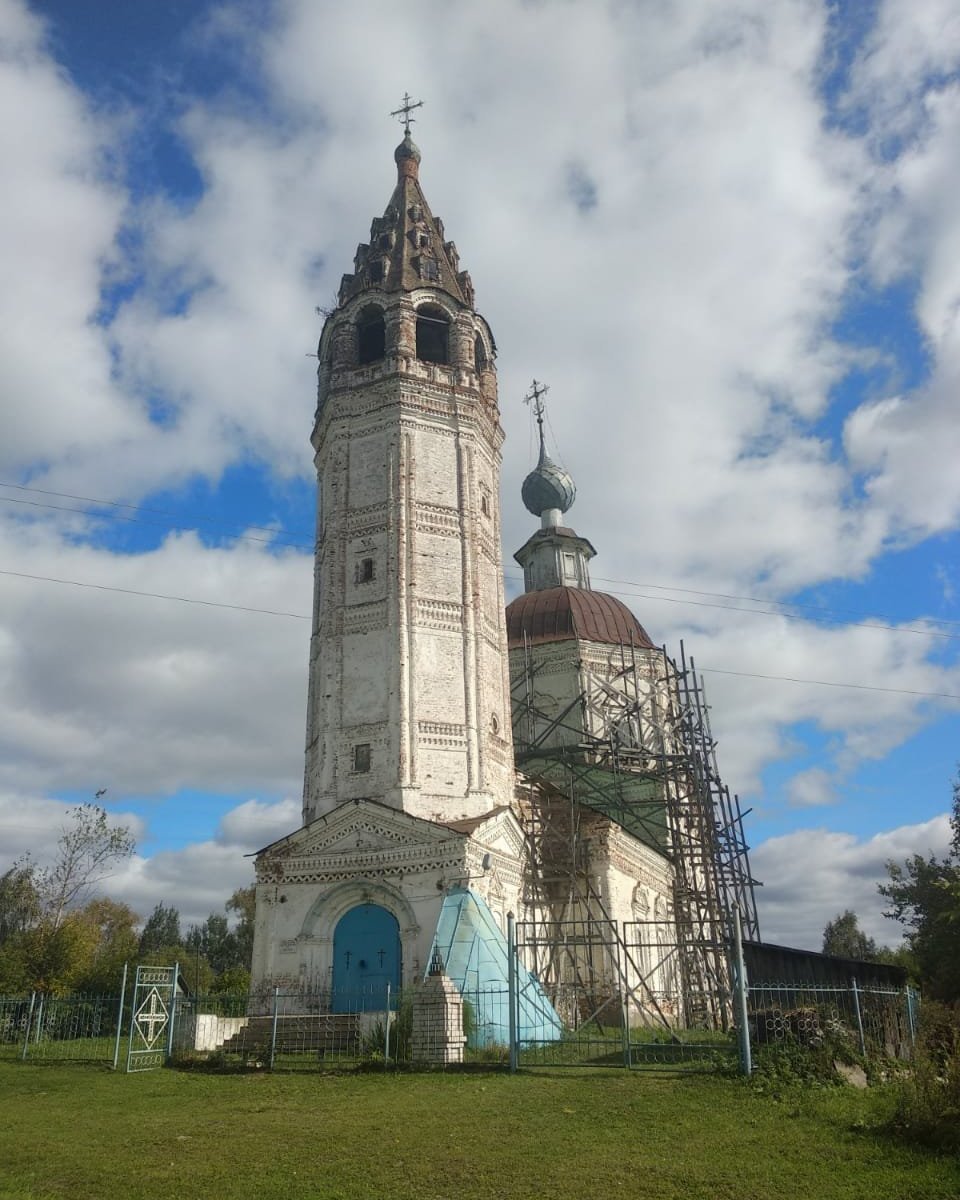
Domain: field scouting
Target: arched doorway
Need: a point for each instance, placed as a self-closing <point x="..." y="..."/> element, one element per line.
<point x="366" y="957"/>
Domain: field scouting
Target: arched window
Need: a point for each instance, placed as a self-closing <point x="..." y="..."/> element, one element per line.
<point x="371" y="335"/>
<point x="433" y="334"/>
<point x="479" y="353"/>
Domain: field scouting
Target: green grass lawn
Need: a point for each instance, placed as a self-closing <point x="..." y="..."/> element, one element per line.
<point x="83" y="1132"/>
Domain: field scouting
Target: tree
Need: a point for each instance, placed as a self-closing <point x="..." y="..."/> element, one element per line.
<point x="86" y="853"/>
<point x="243" y="902"/>
<point x="161" y="932"/>
<point x="50" y="939"/>
<point x="924" y="895"/>
<point x="20" y="903"/>
<point x="844" y="938"/>
<point x="114" y="942"/>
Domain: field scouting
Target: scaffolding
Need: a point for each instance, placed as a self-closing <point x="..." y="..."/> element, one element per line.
<point x="632" y="747"/>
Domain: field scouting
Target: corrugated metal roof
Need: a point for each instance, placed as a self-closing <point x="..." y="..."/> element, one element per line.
<point x="559" y="614"/>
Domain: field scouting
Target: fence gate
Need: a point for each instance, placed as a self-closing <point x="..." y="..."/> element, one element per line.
<point x="151" y="1017"/>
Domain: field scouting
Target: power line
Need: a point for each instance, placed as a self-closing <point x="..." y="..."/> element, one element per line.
<point x="269" y="612"/>
<point x="157" y="512"/>
<point x="283" y="536"/>
<point x="112" y="516"/>
<point x="761" y="612"/>
<point x="102" y="587"/>
<point x="860" y="687"/>
<point x="817" y="608"/>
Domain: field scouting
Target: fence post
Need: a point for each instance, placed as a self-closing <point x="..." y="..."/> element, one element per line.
<point x="512" y="990"/>
<point x="386" y="1031"/>
<point x="40" y="1008"/>
<point x="26" y="1036"/>
<point x="740" y="996"/>
<point x="173" y="1010"/>
<point x="273" y="1030"/>
<point x="858" y="1014"/>
<point x="911" y="1016"/>
<point x="123" y="994"/>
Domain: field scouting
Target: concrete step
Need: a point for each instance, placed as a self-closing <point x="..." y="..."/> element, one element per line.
<point x="324" y="1033"/>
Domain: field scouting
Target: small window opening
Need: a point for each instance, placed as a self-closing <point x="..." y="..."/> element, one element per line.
<point x="433" y="334"/>
<point x="361" y="757"/>
<point x="371" y="336"/>
<point x="365" y="572"/>
<point x="479" y="353"/>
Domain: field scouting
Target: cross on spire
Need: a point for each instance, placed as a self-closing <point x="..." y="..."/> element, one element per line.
<point x="406" y="108"/>
<point x="535" y="397"/>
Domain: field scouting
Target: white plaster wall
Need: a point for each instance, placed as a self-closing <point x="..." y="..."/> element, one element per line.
<point x="408" y="461"/>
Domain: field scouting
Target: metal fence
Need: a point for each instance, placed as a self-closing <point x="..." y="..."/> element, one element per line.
<point x="316" y="1031"/>
<point x="869" y="1020"/>
<point x="63" y="1028"/>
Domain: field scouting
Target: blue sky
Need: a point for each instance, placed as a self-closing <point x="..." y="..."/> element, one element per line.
<point x="725" y="234"/>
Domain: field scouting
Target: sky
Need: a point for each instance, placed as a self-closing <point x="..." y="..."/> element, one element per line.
<point x="725" y="234"/>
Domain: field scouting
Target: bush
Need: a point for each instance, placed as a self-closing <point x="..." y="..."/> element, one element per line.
<point x="928" y="1095"/>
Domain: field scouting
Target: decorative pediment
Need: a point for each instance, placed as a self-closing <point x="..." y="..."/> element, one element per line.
<point x="361" y="837"/>
<point x="500" y="833"/>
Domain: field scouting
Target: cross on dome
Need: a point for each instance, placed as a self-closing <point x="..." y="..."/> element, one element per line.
<point x="403" y="112"/>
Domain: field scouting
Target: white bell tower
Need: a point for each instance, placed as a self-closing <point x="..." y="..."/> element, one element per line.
<point x="408" y="692"/>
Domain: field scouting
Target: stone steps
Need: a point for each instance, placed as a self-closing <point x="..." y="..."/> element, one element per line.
<point x="324" y="1033"/>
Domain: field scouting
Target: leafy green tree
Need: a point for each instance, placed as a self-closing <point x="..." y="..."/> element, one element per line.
<point x="161" y="932"/>
<point x="924" y="895"/>
<point x="243" y="902"/>
<point x="844" y="938"/>
<point x="115" y="943"/>
<point x="20" y="903"/>
<point x="53" y="937"/>
<point x="87" y="851"/>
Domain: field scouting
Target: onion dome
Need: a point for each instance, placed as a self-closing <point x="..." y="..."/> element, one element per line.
<point x="548" y="487"/>
<point x="407" y="151"/>
<point x="562" y="613"/>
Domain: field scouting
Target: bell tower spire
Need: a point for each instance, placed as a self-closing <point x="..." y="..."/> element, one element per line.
<point x="408" y="694"/>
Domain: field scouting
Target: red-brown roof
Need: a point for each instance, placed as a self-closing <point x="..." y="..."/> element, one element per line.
<point x="561" y="613"/>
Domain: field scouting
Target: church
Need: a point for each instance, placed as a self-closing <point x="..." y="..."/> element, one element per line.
<point x="473" y="769"/>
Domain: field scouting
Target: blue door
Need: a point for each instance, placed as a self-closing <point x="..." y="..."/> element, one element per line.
<point x="366" y="957"/>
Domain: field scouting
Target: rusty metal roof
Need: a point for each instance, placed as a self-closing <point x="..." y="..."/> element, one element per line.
<point x="561" y="613"/>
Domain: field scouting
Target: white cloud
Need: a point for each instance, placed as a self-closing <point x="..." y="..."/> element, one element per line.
<point x="812" y="788"/>
<point x="814" y="874"/>
<point x="149" y="695"/>
<point x="683" y="322"/>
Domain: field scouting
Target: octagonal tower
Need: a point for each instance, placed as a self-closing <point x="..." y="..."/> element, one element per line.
<point x="408" y="693"/>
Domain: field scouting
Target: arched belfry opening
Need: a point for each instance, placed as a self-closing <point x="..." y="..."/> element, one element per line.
<point x="371" y="335"/>
<point x="433" y="334"/>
